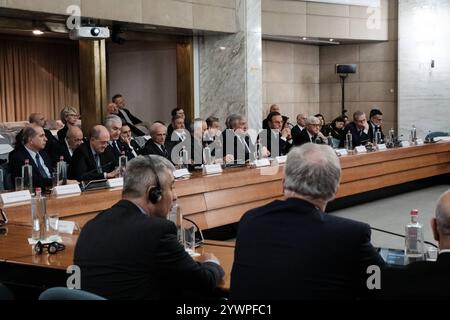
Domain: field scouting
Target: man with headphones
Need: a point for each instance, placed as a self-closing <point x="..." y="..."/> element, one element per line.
<point x="131" y="251"/>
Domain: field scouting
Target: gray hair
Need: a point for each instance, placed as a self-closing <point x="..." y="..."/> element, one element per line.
<point x="358" y="114"/>
<point x="313" y="170"/>
<point x="443" y="213"/>
<point x="139" y="174"/>
<point x="28" y="133"/>
<point x="312" y="120"/>
<point x="110" y="119"/>
<point x="231" y="120"/>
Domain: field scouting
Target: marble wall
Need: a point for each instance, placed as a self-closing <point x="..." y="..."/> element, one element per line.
<point x="230" y="68"/>
<point x="424" y="91"/>
<point x="291" y="78"/>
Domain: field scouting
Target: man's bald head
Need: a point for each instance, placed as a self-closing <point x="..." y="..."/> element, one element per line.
<point x="74" y="137"/>
<point x="99" y="137"/>
<point x="443" y="214"/>
<point x="37" y="119"/>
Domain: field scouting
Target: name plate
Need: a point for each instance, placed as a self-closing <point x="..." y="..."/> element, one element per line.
<point x="66" y="189"/>
<point x="262" y="163"/>
<point x="419" y="142"/>
<point x="212" y="169"/>
<point x="115" y="183"/>
<point x="181" y="173"/>
<point x="341" y="152"/>
<point x="405" y="144"/>
<point x="281" y="159"/>
<point x="18" y="196"/>
<point x="66" y="226"/>
<point x="361" y="149"/>
<point x="381" y="147"/>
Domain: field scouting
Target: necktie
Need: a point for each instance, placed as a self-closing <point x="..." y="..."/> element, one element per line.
<point x="116" y="146"/>
<point x="97" y="163"/>
<point x="40" y="167"/>
<point x="164" y="150"/>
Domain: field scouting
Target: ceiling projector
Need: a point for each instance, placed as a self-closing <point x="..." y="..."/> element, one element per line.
<point x="94" y="33"/>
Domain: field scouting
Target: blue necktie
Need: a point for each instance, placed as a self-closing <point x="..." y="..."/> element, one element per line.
<point x="97" y="163"/>
<point x="40" y="167"/>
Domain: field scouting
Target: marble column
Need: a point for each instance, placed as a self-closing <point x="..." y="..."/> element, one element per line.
<point x="231" y="68"/>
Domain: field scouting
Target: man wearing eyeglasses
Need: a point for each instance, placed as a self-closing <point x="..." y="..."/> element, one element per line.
<point x="311" y="134"/>
<point x="93" y="160"/>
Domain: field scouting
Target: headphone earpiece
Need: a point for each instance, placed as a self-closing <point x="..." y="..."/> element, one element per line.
<point x="154" y="194"/>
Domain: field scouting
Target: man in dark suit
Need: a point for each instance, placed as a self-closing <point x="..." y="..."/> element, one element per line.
<point x="155" y="145"/>
<point x="278" y="141"/>
<point x="236" y="143"/>
<point x="32" y="149"/>
<point x="291" y="249"/>
<point x="132" y="148"/>
<point x="114" y="125"/>
<point x="359" y="129"/>
<point x="301" y="125"/>
<point x="311" y="133"/>
<point x="178" y="112"/>
<point x="375" y="121"/>
<point x="424" y="279"/>
<point x="92" y="160"/>
<point x="68" y="146"/>
<point x="127" y="117"/>
<point x="273" y="108"/>
<point x="131" y="251"/>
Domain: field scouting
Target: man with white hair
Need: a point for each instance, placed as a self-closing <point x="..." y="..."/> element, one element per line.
<point x="291" y="249"/>
<point x="424" y="279"/>
<point x="114" y="125"/>
<point x="155" y="145"/>
<point x="311" y="133"/>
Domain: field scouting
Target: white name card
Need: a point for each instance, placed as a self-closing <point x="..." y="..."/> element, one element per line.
<point x="66" y="189"/>
<point x="66" y="226"/>
<point x="381" y="147"/>
<point x="341" y="152"/>
<point x="405" y="144"/>
<point x="361" y="149"/>
<point x="212" y="169"/>
<point x="281" y="159"/>
<point x="419" y="142"/>
<point x="262" y="163"/>
<point x="181" y="173"/>
<point x="18" y="196"/>
<point x="115" y="183"/>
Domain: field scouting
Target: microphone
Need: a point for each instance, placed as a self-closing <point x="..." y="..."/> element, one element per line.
<point x="202" y="239"/>
<point x="400" y="235"/>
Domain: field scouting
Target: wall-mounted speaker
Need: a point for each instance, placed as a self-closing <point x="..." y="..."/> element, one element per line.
<point x="346" y="68"/>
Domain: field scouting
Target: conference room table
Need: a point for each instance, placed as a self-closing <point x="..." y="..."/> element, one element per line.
<point x="20" y="265"/>
<point x="217" y="200"/>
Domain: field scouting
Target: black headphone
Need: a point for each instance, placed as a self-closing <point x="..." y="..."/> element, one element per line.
<point x="154" y="193"/>
<point x="52" y="248"/>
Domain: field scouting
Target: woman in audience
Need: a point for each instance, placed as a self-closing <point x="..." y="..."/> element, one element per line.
<point x="336" y="129"/>
<point x="69" y="116"/>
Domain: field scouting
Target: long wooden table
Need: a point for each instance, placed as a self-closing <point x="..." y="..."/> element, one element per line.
<point x="217" y="200"/>
<point x="17" y="254"/>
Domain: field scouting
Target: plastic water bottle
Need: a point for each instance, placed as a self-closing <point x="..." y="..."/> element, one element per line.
<point x="185" y="157"/>
<point x="330" y="140"/>
<point x="413" y="135"/>
<point x="2" y="183"/>
<point x="258" y="153"/>
<point x="177" y="218"/>
<point x="61" y="172"/>
<point x="38" y="216"/>
<point x="207" y="155"/>
<point x="414" y="250"/>
<point x="378" y="136"/>
<point x="27" y="176"/>
<point x="122" y="164"/>
<point x="349" y="141"/>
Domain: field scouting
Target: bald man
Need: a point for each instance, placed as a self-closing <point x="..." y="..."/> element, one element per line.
<point x="424" y="279"/>
<point x="273" y="108"/>
<point x="155" y="145"/>
<point x="74" y="138"/>
<point x="93" y="160"/>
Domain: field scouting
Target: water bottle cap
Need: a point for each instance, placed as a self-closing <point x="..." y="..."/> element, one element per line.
<point x="27" y="161"/>
<point x="38" y="190"/>
<point x="414" y="212"/>
<point x="61" y="158"/>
